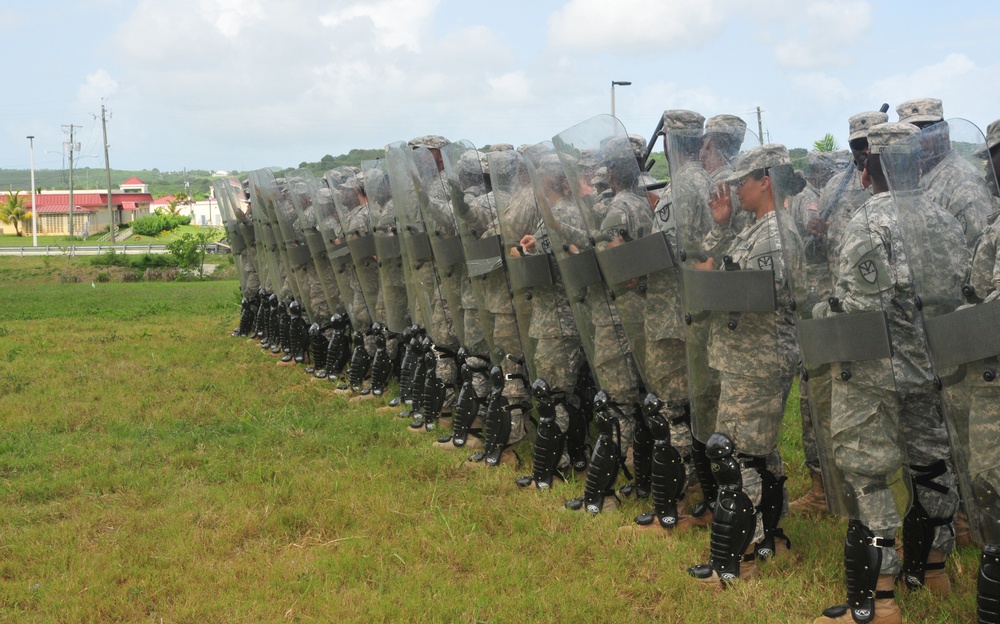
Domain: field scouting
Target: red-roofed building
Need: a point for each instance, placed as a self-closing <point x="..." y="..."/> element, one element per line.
<point x="90" y="208"/>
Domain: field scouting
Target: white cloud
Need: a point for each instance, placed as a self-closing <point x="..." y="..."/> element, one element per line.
<point x="395" y="23"/>
<point x="814" y="35"/>
<point x="512" y="88"/>
<point x="635" y="26"/>
<point x="967" y="89"/>
<point x="819" y="87"/>
<point x="98" y="85"/>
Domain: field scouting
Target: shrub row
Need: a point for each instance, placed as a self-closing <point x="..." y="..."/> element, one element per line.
<point x="152" y="225"/>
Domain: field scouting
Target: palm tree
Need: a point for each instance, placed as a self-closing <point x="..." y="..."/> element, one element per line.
<point x="14" y="211"/>
<point x="826" y="144"/>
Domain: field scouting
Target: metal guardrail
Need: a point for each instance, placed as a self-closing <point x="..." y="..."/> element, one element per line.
<point x="96" y="250"/>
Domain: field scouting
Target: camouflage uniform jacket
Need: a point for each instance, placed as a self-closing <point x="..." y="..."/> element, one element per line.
<point x="954" y="185"/>
<point x="763" y="343"/>
<point x="873" y="274"/>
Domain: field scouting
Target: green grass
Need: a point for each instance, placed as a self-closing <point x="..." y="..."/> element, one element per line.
<point x="154" y="469"/>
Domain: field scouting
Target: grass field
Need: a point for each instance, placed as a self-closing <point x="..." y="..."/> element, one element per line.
<point x="153" y="469"/>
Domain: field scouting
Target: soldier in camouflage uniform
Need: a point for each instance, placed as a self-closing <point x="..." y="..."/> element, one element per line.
<point x="948" y="179"/>
<point x="756" y="356"/>
<point x="839" y="200"/>
<point x="884" y="417"/>
<point x="551" y="328"/>
<point x="974" y="402"/>
<point x="665" y="357"/>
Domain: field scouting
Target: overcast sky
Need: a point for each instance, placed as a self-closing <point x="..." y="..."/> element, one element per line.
<point x="244" y="84"/>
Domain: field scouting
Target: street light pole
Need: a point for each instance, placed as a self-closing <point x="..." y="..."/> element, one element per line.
<point x="34" y="208"/>
<point x="620" y="83"/>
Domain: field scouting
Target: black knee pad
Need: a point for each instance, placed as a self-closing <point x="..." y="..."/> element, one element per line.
<point x="988" y="585"/>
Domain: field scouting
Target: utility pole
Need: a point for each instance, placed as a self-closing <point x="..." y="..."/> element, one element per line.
<point x="34" y="206"/>
<point x="72" y="147"/>
<point x="760" y="127"/>
<point x="107" y="171"/>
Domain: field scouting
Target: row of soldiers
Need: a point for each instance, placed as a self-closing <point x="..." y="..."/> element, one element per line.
<point x="661" y="325"/>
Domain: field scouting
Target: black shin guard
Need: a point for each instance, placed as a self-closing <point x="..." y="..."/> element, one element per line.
<point x="271" y="330"/>
<point x="703" y="470"/>
<point x="412" y="354"/>
<point x="498" y="414"/>
<point x="284" y="325"/>
<point x="642" y="462"/>
<point x="667" y="471"/>
<point x="576" y="437"/>
<point x="361" y="362"/>
<point x="279" y="325"/>
<point x="247" y="314"/>
<point x="606" y="461"/>
<point x="317" y="346"/>
<point x="988" y="585"/>
<point x="297" y="330"/>
<point x="862" y="563"/>
<point x="432" y="397"/>
<point x="467" y="406"/>
<point x="919" y="528"/>
<point x="772" y="500"/>
<point x="260" y="318"/>
<point x="381" y="362"/>
<point x="417" y="383"/>
<point x="337" y="349"/>
<point x="735" y="515"/>
<point x="549" y="439"/>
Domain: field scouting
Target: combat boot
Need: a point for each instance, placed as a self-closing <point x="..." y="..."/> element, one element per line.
<point x="886" y="609"/>
<point x="936" y="577"/>
<point x="963" y="536"/>
<point x="813" y="501"/>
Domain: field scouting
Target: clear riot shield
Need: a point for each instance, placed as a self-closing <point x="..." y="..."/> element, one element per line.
<point x="263" y="193"/>
<point x="538" y="300"/>
<point x="228" y="194"/>
<point x="570" y="208"/>
<point x="292" y="244"/>
<point x="347" y="191"/>
<point x="429" y="306"/>
<point x="392" y="305"/>
<point x="953" y="176"/>
<point x="850" y="340"/>
<point x="715" y="293"/>
<point x="473" y="205"/>
<point x="312" y="205"/>
<point x="631" y="252"/>
<point x="959" y="319"/>
<point x="434" y="202"/>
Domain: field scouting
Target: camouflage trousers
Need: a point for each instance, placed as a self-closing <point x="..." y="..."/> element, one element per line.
<point x="974" y="411"/>
<point x="876" y="432"/>
<point x="750" y="412"/>
<point x="507" y="342"/>
<point x="666" y="373"/>
<point x="814" y="406"/>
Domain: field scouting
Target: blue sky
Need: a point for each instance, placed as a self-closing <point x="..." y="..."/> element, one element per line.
<point x="244" y="84"/>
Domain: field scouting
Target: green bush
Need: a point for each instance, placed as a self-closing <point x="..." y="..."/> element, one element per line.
<point x="139" y="263"/>
<point x="152" y="225"/>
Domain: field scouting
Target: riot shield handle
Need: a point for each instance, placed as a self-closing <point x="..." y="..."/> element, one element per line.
<point x="729" y="264"/>
<point x="884" y="108"/>
<point x="835" y="304"/>
<point x="969" y="292"/>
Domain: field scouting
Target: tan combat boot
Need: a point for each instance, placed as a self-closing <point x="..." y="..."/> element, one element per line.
<point x="886" y="609"/>
<point x="936" y="577"/>
<point x="963" y="536"/>
<point x="813" y="501"/>
<point x="708" y="578"/>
